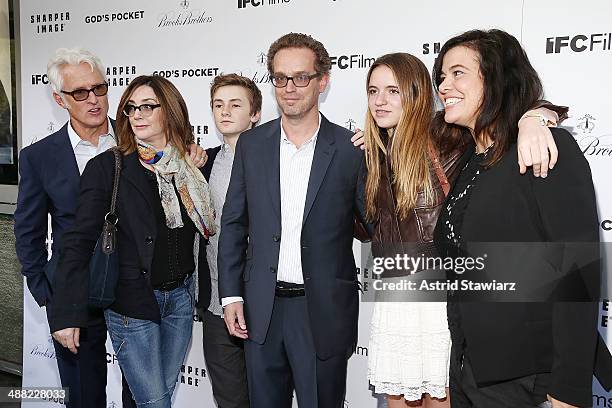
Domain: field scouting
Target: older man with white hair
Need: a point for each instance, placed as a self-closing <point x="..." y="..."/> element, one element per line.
<point x="49" y="185"/>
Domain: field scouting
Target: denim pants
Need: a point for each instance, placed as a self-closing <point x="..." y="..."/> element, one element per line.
<point x="151" y="354"/>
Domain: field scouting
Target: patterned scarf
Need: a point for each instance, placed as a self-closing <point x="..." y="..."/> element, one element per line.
<point x="190" y="184"/>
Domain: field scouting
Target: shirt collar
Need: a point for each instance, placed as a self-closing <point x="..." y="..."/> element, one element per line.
<point x="225" y="147"/>
<point x="75" y="139"/>
<point x="312" y="139"/>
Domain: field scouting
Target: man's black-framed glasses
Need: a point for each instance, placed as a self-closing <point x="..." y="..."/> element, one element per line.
<point x="82" y="94"/>
<point x="146" y="109"/>
<point x="300" y="80"/>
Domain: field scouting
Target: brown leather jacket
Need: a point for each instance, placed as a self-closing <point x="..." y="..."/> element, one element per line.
<point x="391" y="234"/>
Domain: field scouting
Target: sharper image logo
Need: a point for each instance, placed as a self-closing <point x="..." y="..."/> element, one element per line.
<point x="50" y="22"/>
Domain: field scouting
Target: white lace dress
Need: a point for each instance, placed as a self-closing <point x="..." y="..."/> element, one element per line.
<point x="409" y="349"/>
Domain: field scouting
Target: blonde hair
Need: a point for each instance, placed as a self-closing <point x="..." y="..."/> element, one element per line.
<point x="409" y="141"/>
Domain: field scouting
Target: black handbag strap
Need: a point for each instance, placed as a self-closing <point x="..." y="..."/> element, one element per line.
<point x="113" y="205"/>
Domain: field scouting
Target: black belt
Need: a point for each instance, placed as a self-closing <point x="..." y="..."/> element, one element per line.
<point x="171" y="285"/>
<point x="288" y="289"/>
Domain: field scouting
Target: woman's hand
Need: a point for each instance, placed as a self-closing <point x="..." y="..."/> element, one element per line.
<point x="358" y="139"/>
<point x="197" y="155"/>
<point x="68" y="338"/>
<point x="536" y="145"/>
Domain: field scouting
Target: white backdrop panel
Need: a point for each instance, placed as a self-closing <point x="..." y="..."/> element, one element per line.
<point x="190" y="41"/>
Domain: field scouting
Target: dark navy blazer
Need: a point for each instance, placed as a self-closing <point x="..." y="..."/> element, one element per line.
<point x="250" y="235"/>
<point x="49" y="184"/>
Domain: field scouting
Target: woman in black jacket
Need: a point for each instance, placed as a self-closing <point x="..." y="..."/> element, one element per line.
<point x="164" y="212"/>
<point x="515" y="354"/>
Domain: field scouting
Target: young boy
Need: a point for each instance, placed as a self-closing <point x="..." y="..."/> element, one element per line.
<point x="236" y="104"/>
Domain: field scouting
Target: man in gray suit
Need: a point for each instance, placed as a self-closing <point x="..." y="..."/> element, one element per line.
<point x="286" y="269"/>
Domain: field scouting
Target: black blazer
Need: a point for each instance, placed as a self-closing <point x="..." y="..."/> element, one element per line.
<point x="136" y="237"/>
<point x="251" y="231"/>
<point x="510" y="340"/>
<point x="49" y="185"/>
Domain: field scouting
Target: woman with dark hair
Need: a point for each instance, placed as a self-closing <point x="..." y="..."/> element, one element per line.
<point x="409" y="168"/>
<point x="512" y="354"/>
<point x="164" y="213"/>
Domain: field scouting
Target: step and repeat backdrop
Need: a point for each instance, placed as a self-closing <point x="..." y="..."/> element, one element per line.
<point x="191" y="41"/>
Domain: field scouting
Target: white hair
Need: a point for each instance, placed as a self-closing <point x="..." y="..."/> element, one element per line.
<point x="70" y="56"/>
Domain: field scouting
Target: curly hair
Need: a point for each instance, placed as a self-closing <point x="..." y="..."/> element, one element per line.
<point x="299" y="40"/>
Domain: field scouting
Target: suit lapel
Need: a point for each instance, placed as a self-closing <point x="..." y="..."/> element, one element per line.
<point x="272" y="149"/>
<point x="133" y="172"/>
<point x="323" y="154"/>
<point x="65" y="159"/>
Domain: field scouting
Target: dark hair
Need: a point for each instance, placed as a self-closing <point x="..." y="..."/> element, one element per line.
<point x="238" y="80"/>
<point x="298" y="40"/>
<point x="175" y="117"/>
<point x="511" y="84"/>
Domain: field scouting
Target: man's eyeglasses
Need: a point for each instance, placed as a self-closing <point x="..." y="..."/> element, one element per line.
<point x="145" y="109"/>
<point x="301" y="80"/>
<point x="80" y="95"/>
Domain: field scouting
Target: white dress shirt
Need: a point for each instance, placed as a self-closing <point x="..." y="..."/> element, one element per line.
<point x="295" y="165"/>
<point x="294" y="168"/>
<point x="85" y="151"/>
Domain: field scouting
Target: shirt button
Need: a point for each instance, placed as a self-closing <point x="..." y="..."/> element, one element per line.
<point x="272" y="269"/>
<point x="148" y="240"/>
<point x="276" y="238"/>
<point x="144" y="271"/>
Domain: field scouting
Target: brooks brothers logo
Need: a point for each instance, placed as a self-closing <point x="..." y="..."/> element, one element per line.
<point x="120" y="75"/>
<point x="591" y="144"/>
<point x="352" y="61"/>
<point x="586" y="123"/>
<point x="259" y="76"/>
<point x="117" y="16"/>
<point x="192" y="375"/>
<point x="183" y="16"/>
<point x="257" y="3"/>
<point x="262" y="59"/>
<point x="579" y="43"/>
<point x="50" y="22"/>
<point x="44" y="350"/>
<point x="350" y="125"/>
<point x="51" y="127"/>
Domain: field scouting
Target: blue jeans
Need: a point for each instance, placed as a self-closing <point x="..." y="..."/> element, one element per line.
<point x="151" y="354"/>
